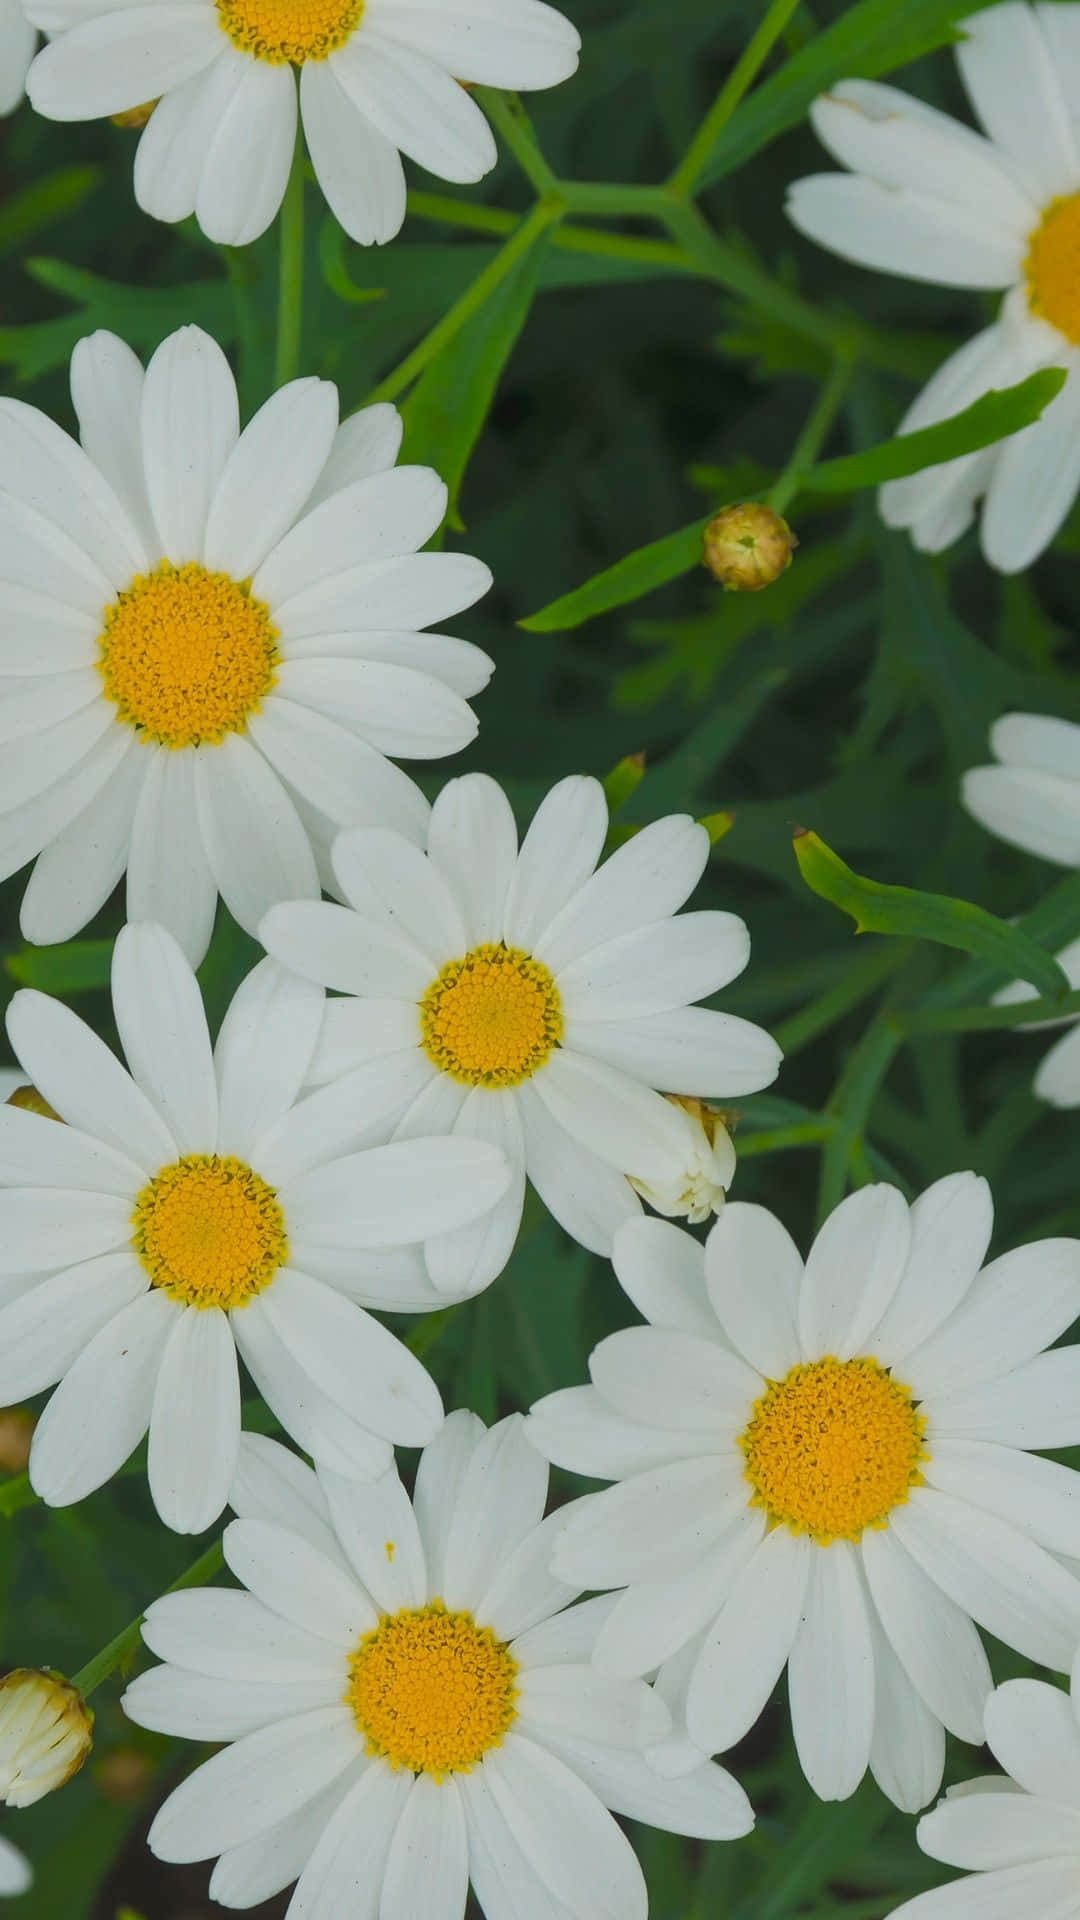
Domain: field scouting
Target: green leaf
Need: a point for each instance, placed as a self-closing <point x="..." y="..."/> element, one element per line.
<point x="868" y="40"/>
<point x="43" y="202"/>
<point x="141" y="315"/>
<point x="1001" y="411"/>
<point x="78" y="966"/>
<point x="446" y="411"/>
<point x="332" y="241"/>
<point x="924" y="916"/>
<point x="630" y="578"/>
<point x="623" y="781"/>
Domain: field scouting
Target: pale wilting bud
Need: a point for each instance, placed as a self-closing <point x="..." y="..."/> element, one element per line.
<point x="747" y="547"/>
<point x="16" y="1433"/>
<point x="45" y="1734"/>
<point x="708" y="1169"/>
<point x="31" y="1101"/>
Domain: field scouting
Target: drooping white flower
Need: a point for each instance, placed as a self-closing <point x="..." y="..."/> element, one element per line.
<point x="18" y="40"/>
<point x="45" y="1735"/>
<point x="209" y="640"/>
<point x="376" y="79"/>
<point x="15" y="1871"/>
<point x="532" y="998"/>
<point x="700" y="1186"/>
<point x="410" y="1702"/>
<point x="932" y="200"/>
<point x="194" y="1206"/>
<point x="1018" y="1834"/>
<point x="827" y="1469"/>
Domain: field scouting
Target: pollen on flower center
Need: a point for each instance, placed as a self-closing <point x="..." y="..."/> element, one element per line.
<point x="283" y="31"/>
<point x="832" y="1448"/>
<point x="431" y="1691"/>
<point x="492" y="1018"/>
<point x="209" y="1231"/>
<point x="1052" y="267"/>
<point x="186" y="655"/>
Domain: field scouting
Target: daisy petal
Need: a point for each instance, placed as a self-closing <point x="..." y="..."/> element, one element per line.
<point x="408" y="593"/>
<point x="688" y="1050"/>
<point x="337" y="948"/>
<point x="247" y="161"/>
<point x="654" y="1618"/>
<point x="359" y="171"/>
<point x="168" y="873"/>
<point x="898" y="230"/>
<point x="192" y="1706"/>
<point x="1039" y="1497"/>
<point x="258" y="850"/>
<point x="190" y="419"/>
<point x="933" y="1639"/>
<point x="272" y="1483"/>
<point x="987" y="1830"/>
<point x="101" y="1409"/>
<point x="391" y="1196"/>
<point x="831" y="1676"/>
<point x="295" y="1580"/>
<point x="1035" y="480"/>
<point x="466" y="1260"/>
<point x="582" y="1703"/>
<point x="503" y="1881"/>
<point x="1032" y="125"/>
<point x="248" y="1787"/>
<point x="661" y="1268"/>
<point x="326" y="762"/>
<point x="568" y="1838"/>
<point x="558" y="855"/>
<point x="472" y="843"/>
<point x="951" y="1224"/>
<point x="663" y="1520"/>
<point x="75" y="874"/>
<point x="655" y="968"/>
<point x="269" y="475"/>
<point x="574" y="1428"/>
<point x="162" y="1027"/>
<point x="1037" y="811"/>
<point x="586" y="1196"/>
<point x="417" y="106"/>
<point x="43" y="1332"/>
<point x="376" y="1525"/>
<point x="171" y="153"/>
<point x="77" y="1074"/>
<point x="46" y="1227"/>
<point x="357" y="1363"/>
<point x="263" y="1052"/>
<point x="670" y="1379"/>
<point x="439" y="1476"/>
<point x="907" y="1753"/>
<point x="120" y="59"/>
<point x="322" y="1428"/>
<point x="634" y="1129"/>
<point x="195" y="1422"/>
<point x="1034" y="1406"/>
<point x="1032" y="1731"/>
<point x="1017" y="1305"/>
<point x="749" y="1643"/>
<point x="485" y="43"/>
<point x="35" y="1152"/>
<point x="852" y="1272"/>
<point x="499" y="1499"/>
<point x="753" y="1273"/>
<point x="380" y="518"/>
<point x="645" y="880"/>
<point x="707" y="1803"/>
<point x="227" y="1635"/>
<point x="427" y="1868"/>
<point x="58" y="479"/>
<point x="246" y="1875"/>
<point x="367" y="441"/>
<point x="345" y="1872"/>
<point x="385" y="878"/>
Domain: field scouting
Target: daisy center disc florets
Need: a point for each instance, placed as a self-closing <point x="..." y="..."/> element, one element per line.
<point x="832" y="1448"/>
<point x="492" y="1018"/>
<point x="284" y="31"/>
<point x="1052" y="267"/>
<point x="186" y="655"/>
<point x="209" y="1231"/>
<point x="431" y="1691"/>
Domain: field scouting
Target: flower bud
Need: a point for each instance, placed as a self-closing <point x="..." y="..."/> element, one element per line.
<point x="747" y="547"/>
<point x="32" y="1101"/>
<point x="16" y="1433"/>
<point x="708" y="1169"/>
<point x="44" y="1734"/>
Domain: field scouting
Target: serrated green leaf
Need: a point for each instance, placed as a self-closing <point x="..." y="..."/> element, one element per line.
<point x="998" y="413"/>
<point x="876" y="908"/>
<point x="78" y="966"/>
<point x="629" y="579"/>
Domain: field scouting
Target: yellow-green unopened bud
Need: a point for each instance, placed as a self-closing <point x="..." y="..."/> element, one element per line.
<point x="16" y="1433"/>
<point x="708" y="1169"/>
<point x="45" y="1734"/>
<point x="747" y="547"/>
<point x="32" y="1101"/>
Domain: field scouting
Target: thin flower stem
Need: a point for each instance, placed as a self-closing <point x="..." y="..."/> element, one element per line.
<point x="120" y="1650"/>
<point x="509" y="118"/>
<point x="543" y="215"/>
<point x="863" y="975"/>
<point x="659" y="254"/>
<point x="291" y="271"/>
<point x="813" y="436"/>
<point x="742" y="76"/>
<point x="851" y="1102"/>
<point x="986" y="1019"/>
<point x="714" y="260"/>
<point x="809" y="1133"/>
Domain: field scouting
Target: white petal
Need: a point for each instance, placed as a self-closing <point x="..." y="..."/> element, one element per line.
<point x="18" y="41"/>
<point x="1035" y="1406"/>
<point x="746" y="1648"/>
<point x="43" y="635"/>
<point x="57" y="478"/>
<point x="439" y="1476"/>
<point x="629" y="1126"/>
<point x="505" y="1884"/>
<point x="987" y="1830"/>
<point x="582" y="1703"/>
<point x="390" y="1196"/>
<point x="524" y="45"/>
<point x="472" y="842"/>
<point x="1010" y="1586"/>
<point x="192" y="1706"/>
<point x="228" y="1635"/>
<point x="79" y="1076"/>
<point x="357" y="1363"/>
<point x="524" y="1591"/>
<point x="470" y="1258"/>
<point x="36" y="761"/>
<point x="1032" y="1731"/>
<point x="671" y="1379"/>
<point x="852" y="1272"/>
<point x="643" y="881"/>
<point x="248" y="1874"/>
<point x="1037" y="811"/>
<point x="655" y="968"/>
<point x="39" y="557"/>
<point x="987" y="360"/>
<point x="169" y="877"/>
<point x="317" y="1423"/>
<point x="568" y="1635"/>
<point x="907" y="1753"/>
<point x="568" y="1838"/>
<point x="498" y="1500"/>
<point x="688" y="1050"/>
<point x="269" y="475"/>
<point x="101" y="1409"/>
<point x="331" y="767"/>
<point x="258" y="850"/>
<point x="904" y="231"/>
<point x="118" y="60"/>
<point x="1038" y="1496"/>
<point x="574" y="1428"/>
<point x="1039" y="741"/>
<point x="162" y="1027"/>
<point x="336" y="947"/>
<point x="353" y="1032"/>
<point x="707" y="1802"/>
<point x="345" y="1872"/>
<point x="753" y="1273"/>
<point x="379" y="518"/>
<point x="398" y="594"/>
<point x="1035" y="480"/>
<point x="427" y="1869"/>
<point x="171" y="153"/>
<point x="831" y="1676"/>
<point x="662" y="1269"/>
<point x="388" y="880"/>
<point x="46" y="1227"/>
<point x="591" y="1199"/>
<point x="44" y="1330"/>
<point x="656" y="1617"/>
<point x="558" y="854"/>
<point x="1031" y="124"/>
<point x="35" y="1152"/>
<point x="272" y="1483"/>
<point x="1058" y="1078"/>
<point x="1012" y="1893"/>
<point x="951" y="1224"/>
<point x="388" y="704"/>
<point x="248" y="157"/>
<point x="15" y="1871"/>
<point x="195" y="1422"/>
<point x="663" y="1520"/>
<point x="416" y="106"/>
<point x="296" y="1581"/>
<point x="75" y="874"/>
<point x="354" y="1112"/>
<point x="1017" y="1305"/>
<point x="189" y="422"/>
<point x="244" y="1790"/>
<point x="359" y="171"/>
<point x="263" y="1052"/>
<point x="367" y="441"/>
<point x="933" y="1639"/>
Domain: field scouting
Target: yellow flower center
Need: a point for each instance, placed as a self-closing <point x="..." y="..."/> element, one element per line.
<point x="289" y="30"/>
<point x="186" y="655"/>
<point x="1052" y="267"/>
<point x="209" y="1231"/>
<point x="431" y="1691"/>
<point x="492" y="1018"/>
<point x="832" y="1448"/>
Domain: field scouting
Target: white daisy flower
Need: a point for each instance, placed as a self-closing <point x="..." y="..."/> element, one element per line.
<point x="1019" y="1833"/>
<point x="18" y="40"/>
<point x="827" y="1469"/>
<point x="537" y="1002"/>
<point x="930" y="199"/>
<point x="700" y="1187"/>
<point x="15" y="1873"/>
<point x="193" y="1207"/>
<point x="410" y="1702"/>
<point x="210" y="638"/>
<point x="377" y="79"/>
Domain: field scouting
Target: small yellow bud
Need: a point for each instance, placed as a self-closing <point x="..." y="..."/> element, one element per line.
<point x="707" y="1172"/>
<point x="32" y="1101"/>
<point x="747" y="547"/>
<point x="134" y="117"/>
<point x="16" y="1433"/>
<point x="45" y="1734"/>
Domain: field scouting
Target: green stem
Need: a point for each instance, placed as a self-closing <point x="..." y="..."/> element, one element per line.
<point x="810" y="1133"/>
<point x="714" y="260"/>
<point x="569" y="239"/>
<point x="291" y="271"/>
<point x="543" y="215"/>
<point x="120" y="1650"/>
<point x="509" y="118"/>
<point x="865" y="973"/>
<point x="851" y="1102"/>
<point x="742" y="76"/>
<point x="16" y="1494"/>
<point x="814" y="434"/>
<point x="984" y="1019"/>
<point x="603" y="197"/>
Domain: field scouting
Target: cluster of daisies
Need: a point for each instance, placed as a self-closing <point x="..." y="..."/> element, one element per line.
<point x="216" y="646"/>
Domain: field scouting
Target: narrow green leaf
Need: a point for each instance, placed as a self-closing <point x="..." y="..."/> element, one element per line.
<point x="1001" y="411"/>
<point x="717" y="825"/>
<point x="336" y="273"/>
<point x="925" y="916"/>
<point x="624" y="780"/>
<point x="43" y="202"/>
<point x="630" y="578"/>
<point x="79" y="966"/>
